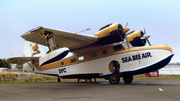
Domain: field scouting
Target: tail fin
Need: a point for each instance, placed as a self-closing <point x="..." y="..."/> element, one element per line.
<point x="32" y="49"/>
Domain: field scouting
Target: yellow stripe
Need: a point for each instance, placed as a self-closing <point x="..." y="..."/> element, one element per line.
<point x="99" y="53"/>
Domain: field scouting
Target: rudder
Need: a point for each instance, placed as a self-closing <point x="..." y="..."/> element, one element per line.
<point x="32" y="49"/>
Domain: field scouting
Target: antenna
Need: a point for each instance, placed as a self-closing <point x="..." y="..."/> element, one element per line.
<point x="84" y="30"/>
<point x="11" y="54"/>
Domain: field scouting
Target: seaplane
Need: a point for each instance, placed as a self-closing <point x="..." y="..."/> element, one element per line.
<point x="111" y="53"/>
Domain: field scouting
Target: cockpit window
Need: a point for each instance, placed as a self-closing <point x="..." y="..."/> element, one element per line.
<point x="125" y="44"/>
<point x="118" y="47"/>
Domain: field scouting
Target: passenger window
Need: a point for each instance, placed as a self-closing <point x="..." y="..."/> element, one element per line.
<point x="62" y="63"/>
<point x="104" y="52"/>
<point x="118" y="47"/>
<point x="73" y="60"/>
<point x="93" y="55"/>
<point x="81" y="58"/>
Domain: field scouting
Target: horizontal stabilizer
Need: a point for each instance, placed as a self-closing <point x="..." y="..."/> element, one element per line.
<point x="22" y="60"/>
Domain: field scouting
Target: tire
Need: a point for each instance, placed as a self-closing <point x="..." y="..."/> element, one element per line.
<point x="114" y="79"/>
<point x="128" y="79"/>
<point x="59" y="80"/>
<point x="15" y="77"/>
<point x="2" y="78"/>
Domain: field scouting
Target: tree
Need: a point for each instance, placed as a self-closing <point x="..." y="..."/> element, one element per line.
<point x="4" y="63"/>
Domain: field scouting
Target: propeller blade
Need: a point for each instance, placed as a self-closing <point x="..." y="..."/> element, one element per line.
<point x="126" y="24"/>
<point x="130" y="32"/>
<point x="145" y="37"/>
<point x="144" y="31"/>
<point x="148" y="42"/>
<point x="127" y="42"/>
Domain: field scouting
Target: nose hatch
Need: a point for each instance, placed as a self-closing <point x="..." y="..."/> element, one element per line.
<point x="125" y="30"/>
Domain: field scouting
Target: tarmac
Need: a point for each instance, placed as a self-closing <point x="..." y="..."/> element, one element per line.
<point x="139" y="90"/>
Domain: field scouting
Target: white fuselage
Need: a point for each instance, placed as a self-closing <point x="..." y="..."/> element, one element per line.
<point x="130" y="61"/>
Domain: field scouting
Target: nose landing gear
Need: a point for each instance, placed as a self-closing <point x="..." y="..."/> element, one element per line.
<point x="114" y="79"/>
<point x="114" y="67"/>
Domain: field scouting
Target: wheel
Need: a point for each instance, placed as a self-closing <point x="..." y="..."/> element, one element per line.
<point x="114" y="79"/>
<point x="15" y="77"/>
<point x="128" y="79"/>
<point x="2" y="78"/>
<point x="59" y="80"/>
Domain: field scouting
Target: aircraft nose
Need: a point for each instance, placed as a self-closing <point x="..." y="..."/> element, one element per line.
<point x="168" y="47"/>
<point x="125" y="30"/>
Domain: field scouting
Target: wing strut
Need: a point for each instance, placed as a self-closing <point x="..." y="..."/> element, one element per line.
<point x="49" y="38"/>
<point x="29" y="65"/>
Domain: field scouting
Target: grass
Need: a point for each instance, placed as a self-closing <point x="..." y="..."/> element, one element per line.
<point x="160" y="77"/>
<point x="43" y="78"/>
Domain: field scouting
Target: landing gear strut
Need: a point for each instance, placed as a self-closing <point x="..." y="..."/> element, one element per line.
<point x="128" y="79"/>
<point x="59" y="80"/>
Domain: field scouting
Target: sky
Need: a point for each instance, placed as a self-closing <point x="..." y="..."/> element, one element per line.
<point x="161" y="19"/>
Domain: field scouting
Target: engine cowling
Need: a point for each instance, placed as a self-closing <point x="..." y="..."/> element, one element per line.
<point x="111" y="33"/>
<point x="136" y="38"/>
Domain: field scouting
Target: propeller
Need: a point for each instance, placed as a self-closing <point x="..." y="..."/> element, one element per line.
<point x="146" y="37"/>
<point x="126" y="36"/>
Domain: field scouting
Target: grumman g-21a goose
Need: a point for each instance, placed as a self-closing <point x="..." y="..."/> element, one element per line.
<point x="110" y="53"/>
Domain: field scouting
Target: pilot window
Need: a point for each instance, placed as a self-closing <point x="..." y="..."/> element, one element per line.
<point x="104" y="52"/>
<point x="73" y="60"/>
<point x="118" y="47"/>
<point x="93" y="55"/>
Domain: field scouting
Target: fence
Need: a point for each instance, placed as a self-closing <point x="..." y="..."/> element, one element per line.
<point x="170" y="71"/>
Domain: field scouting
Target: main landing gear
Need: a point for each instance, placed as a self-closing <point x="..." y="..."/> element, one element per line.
<point x="128" y="79"/>
<point x="114" y="79"/>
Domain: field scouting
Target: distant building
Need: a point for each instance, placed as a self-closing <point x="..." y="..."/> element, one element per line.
<point x="16" y="67"/>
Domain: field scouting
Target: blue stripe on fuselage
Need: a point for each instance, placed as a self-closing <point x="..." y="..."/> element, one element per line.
<point x="150" y="68"/>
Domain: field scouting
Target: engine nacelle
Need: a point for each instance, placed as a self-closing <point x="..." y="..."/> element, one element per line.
<point x="54" y="56"/>
<point x="135" y="39"/>
<point x="111" y="33"/>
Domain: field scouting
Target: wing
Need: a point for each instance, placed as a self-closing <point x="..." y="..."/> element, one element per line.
<point x="21" y="60"/>
<point x="48" y="37"/>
